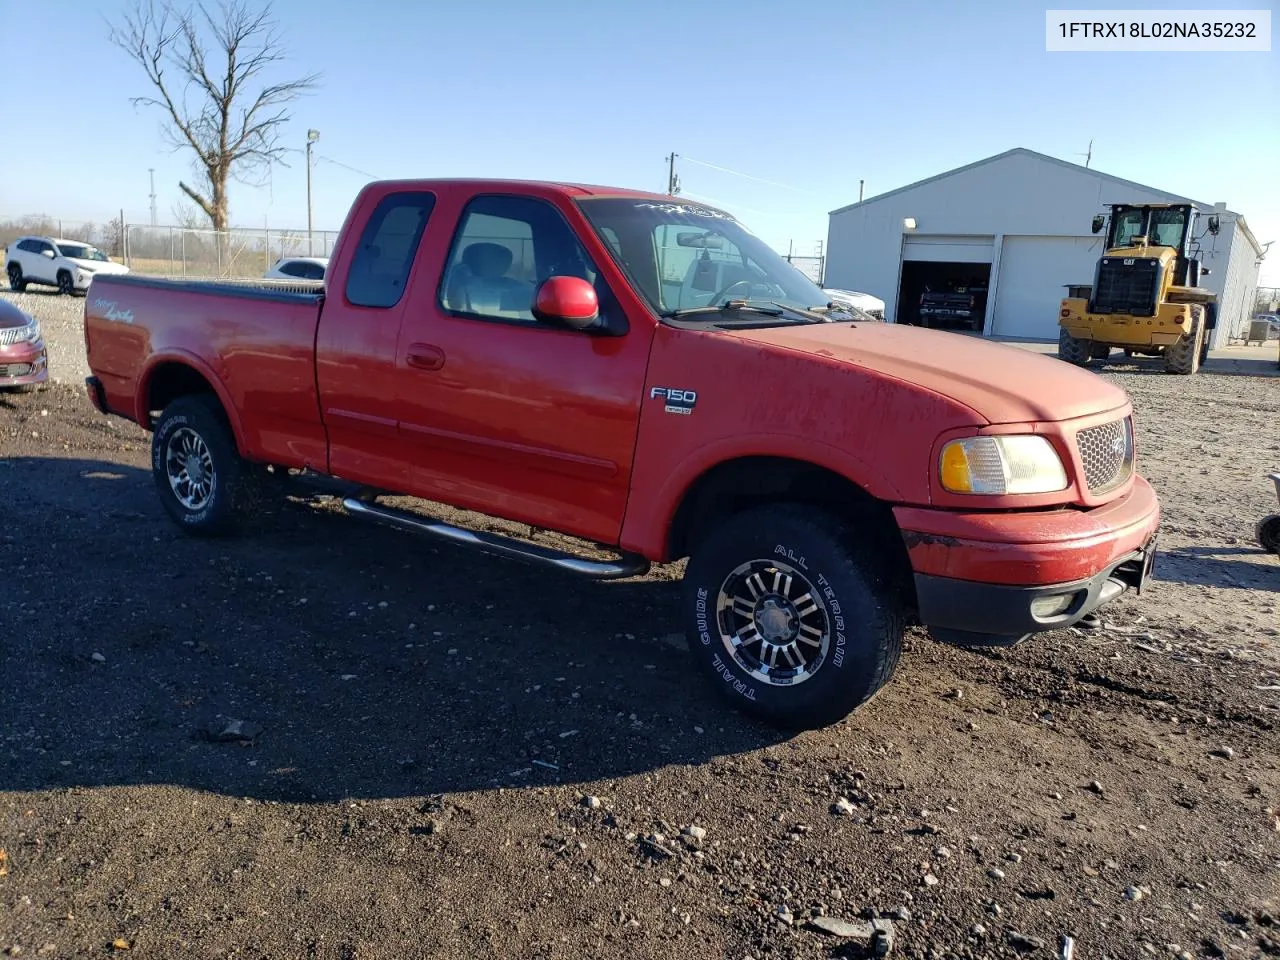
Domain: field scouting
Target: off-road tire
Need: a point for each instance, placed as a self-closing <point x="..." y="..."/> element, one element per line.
<point x="1269" y="533"/>
<point x="861" y="605"/>
<point x="66" y="285"/>
<point x="1072" y="349"/>
<point x="1099" y="351"/>
<point x="1183" y="357"/>
<point x="17" y="283"/>
<point x="233" y="492"/>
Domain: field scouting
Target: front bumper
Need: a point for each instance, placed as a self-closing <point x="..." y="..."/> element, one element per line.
<point x="992" y="578"/>
<point x="23" y="365"/>
<point x="986" y="614"/>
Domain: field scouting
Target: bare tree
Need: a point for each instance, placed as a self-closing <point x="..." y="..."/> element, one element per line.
<point x="208" y="70"/>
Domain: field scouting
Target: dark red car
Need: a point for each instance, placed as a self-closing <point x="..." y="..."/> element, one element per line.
<point x="24" y="362"/>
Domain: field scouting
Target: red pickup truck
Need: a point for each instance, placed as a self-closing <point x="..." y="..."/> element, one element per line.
<point x="643" y="374"/>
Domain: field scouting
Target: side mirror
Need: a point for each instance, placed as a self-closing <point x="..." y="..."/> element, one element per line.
<point x="1214" y="225"/>
<point x="1098" y="223"/>
<point x="569" y="301"/>
<point x="47" y="253"/>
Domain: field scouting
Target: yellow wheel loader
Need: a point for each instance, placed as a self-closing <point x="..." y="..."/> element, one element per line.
<point x="1146" y="297"/>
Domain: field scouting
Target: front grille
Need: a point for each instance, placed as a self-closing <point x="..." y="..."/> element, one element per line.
<point x="14" y="370"/>
<point x="1126" y="285"/>
<point x="1106" y="451"/>
<point x="11" y="335"/>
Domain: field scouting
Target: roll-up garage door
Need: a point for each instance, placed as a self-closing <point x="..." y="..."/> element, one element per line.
<point x="948" y="248"/>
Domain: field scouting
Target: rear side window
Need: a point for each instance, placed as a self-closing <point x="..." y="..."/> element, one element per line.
<point x="388" y="244"/>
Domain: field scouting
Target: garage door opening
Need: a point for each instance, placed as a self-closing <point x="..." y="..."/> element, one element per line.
<point x="945" y="296"/>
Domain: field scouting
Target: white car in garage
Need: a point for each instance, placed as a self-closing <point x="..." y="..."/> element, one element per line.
<point x="69" y="265"/>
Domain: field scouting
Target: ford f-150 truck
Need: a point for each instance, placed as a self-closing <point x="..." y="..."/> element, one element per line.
<point x="644" y="375"/>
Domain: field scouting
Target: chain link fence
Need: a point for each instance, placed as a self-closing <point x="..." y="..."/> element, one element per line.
<point x="811" y="267"/>
<point x="238" y="253"/>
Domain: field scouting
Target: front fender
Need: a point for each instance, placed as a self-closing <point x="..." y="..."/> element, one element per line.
<point x="649" y="514"/>
<point x="176" y="355"/>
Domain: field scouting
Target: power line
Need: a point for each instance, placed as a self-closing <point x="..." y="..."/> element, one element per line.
<point x="363" y="173"/>
<point x="721" y="203"/>
<point x="746" y="176"/>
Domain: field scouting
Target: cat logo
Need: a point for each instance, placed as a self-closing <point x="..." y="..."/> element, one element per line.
<point x="675" y="400"/>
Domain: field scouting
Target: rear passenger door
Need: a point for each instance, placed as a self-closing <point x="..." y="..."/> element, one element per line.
<point x="356" y="341"/>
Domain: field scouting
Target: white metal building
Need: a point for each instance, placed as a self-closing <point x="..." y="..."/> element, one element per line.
<point x="1018" y="222"/>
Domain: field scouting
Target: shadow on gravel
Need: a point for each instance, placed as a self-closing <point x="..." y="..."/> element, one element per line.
<point x="362" y="662"/>
<point x="1254" y="568"/>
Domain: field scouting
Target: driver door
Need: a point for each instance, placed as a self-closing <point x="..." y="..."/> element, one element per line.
<point x="501" y="413"/>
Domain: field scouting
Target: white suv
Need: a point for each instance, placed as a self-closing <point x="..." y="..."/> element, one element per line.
<point x="68" y="265"/>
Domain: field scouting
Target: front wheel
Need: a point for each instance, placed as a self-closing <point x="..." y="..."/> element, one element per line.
<point x="66" y="286"/>
<point x="203" y="483"/>
<point x="1184" y="356"/>
<point x="791" y="617"/>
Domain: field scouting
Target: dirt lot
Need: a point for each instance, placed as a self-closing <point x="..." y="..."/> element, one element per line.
<point x="426" y="725"/>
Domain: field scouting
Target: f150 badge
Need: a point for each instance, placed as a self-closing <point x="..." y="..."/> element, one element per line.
<point x="675" y="401"/>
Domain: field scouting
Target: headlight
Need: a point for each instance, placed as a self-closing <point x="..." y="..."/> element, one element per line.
<point x="33" y="329"/>
<point x="1001" y="465"/>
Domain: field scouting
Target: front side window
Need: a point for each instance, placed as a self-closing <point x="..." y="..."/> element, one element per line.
<point x="388" y="244"/>
<point x="503" y="249"/>
<point x="1168" y="227"/>
<point x="684" y="256"/>
<point x="81" y="251"/>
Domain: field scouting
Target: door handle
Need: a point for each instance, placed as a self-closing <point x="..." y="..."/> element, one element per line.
<point x="424" y="356"/>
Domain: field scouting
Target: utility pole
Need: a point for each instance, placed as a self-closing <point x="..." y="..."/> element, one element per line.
<point x="861" y="183"/>
<point x="152" y="171"/>
<point x="312" y="137"/>
<point x="673" y="181"/>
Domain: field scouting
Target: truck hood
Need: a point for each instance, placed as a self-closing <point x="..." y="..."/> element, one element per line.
<point x="1001" y="383"/>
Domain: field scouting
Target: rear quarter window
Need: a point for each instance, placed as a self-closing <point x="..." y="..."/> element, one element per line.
<point x="388" y="244"/>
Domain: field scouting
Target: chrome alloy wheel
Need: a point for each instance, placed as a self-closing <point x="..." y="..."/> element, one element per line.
<point x="773" y="622"/>
<point x="189" y="467"/>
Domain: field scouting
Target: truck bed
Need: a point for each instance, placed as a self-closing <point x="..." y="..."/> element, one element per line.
<point x="253" y="340"/>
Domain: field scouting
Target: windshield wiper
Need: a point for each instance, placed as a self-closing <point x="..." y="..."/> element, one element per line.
<point x="770" y="308"/>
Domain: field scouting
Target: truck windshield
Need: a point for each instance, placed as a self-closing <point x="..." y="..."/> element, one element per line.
<point x="683" y="256"/>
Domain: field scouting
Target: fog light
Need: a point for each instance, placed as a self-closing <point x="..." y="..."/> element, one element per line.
<point x="1050" y="606"/>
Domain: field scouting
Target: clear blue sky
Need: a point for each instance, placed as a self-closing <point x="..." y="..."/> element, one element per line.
<point x="812" y="95"/>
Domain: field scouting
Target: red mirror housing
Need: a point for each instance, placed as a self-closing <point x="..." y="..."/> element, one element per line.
<point x="567" y="300"/>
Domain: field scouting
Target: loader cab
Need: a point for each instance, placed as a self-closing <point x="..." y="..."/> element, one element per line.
<point x="1158" y="225"/>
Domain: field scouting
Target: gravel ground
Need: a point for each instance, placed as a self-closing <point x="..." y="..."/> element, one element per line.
<point x="447" y="755"/>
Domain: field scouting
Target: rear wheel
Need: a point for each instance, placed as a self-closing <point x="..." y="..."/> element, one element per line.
<point x="204" y="484"/>
<point x="17" y="283"/>
<point x="1073" y="349"/>
<point x="1184" y="356"/>
<point x="1099" y="351"/>
<point x="791" y="617"/>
